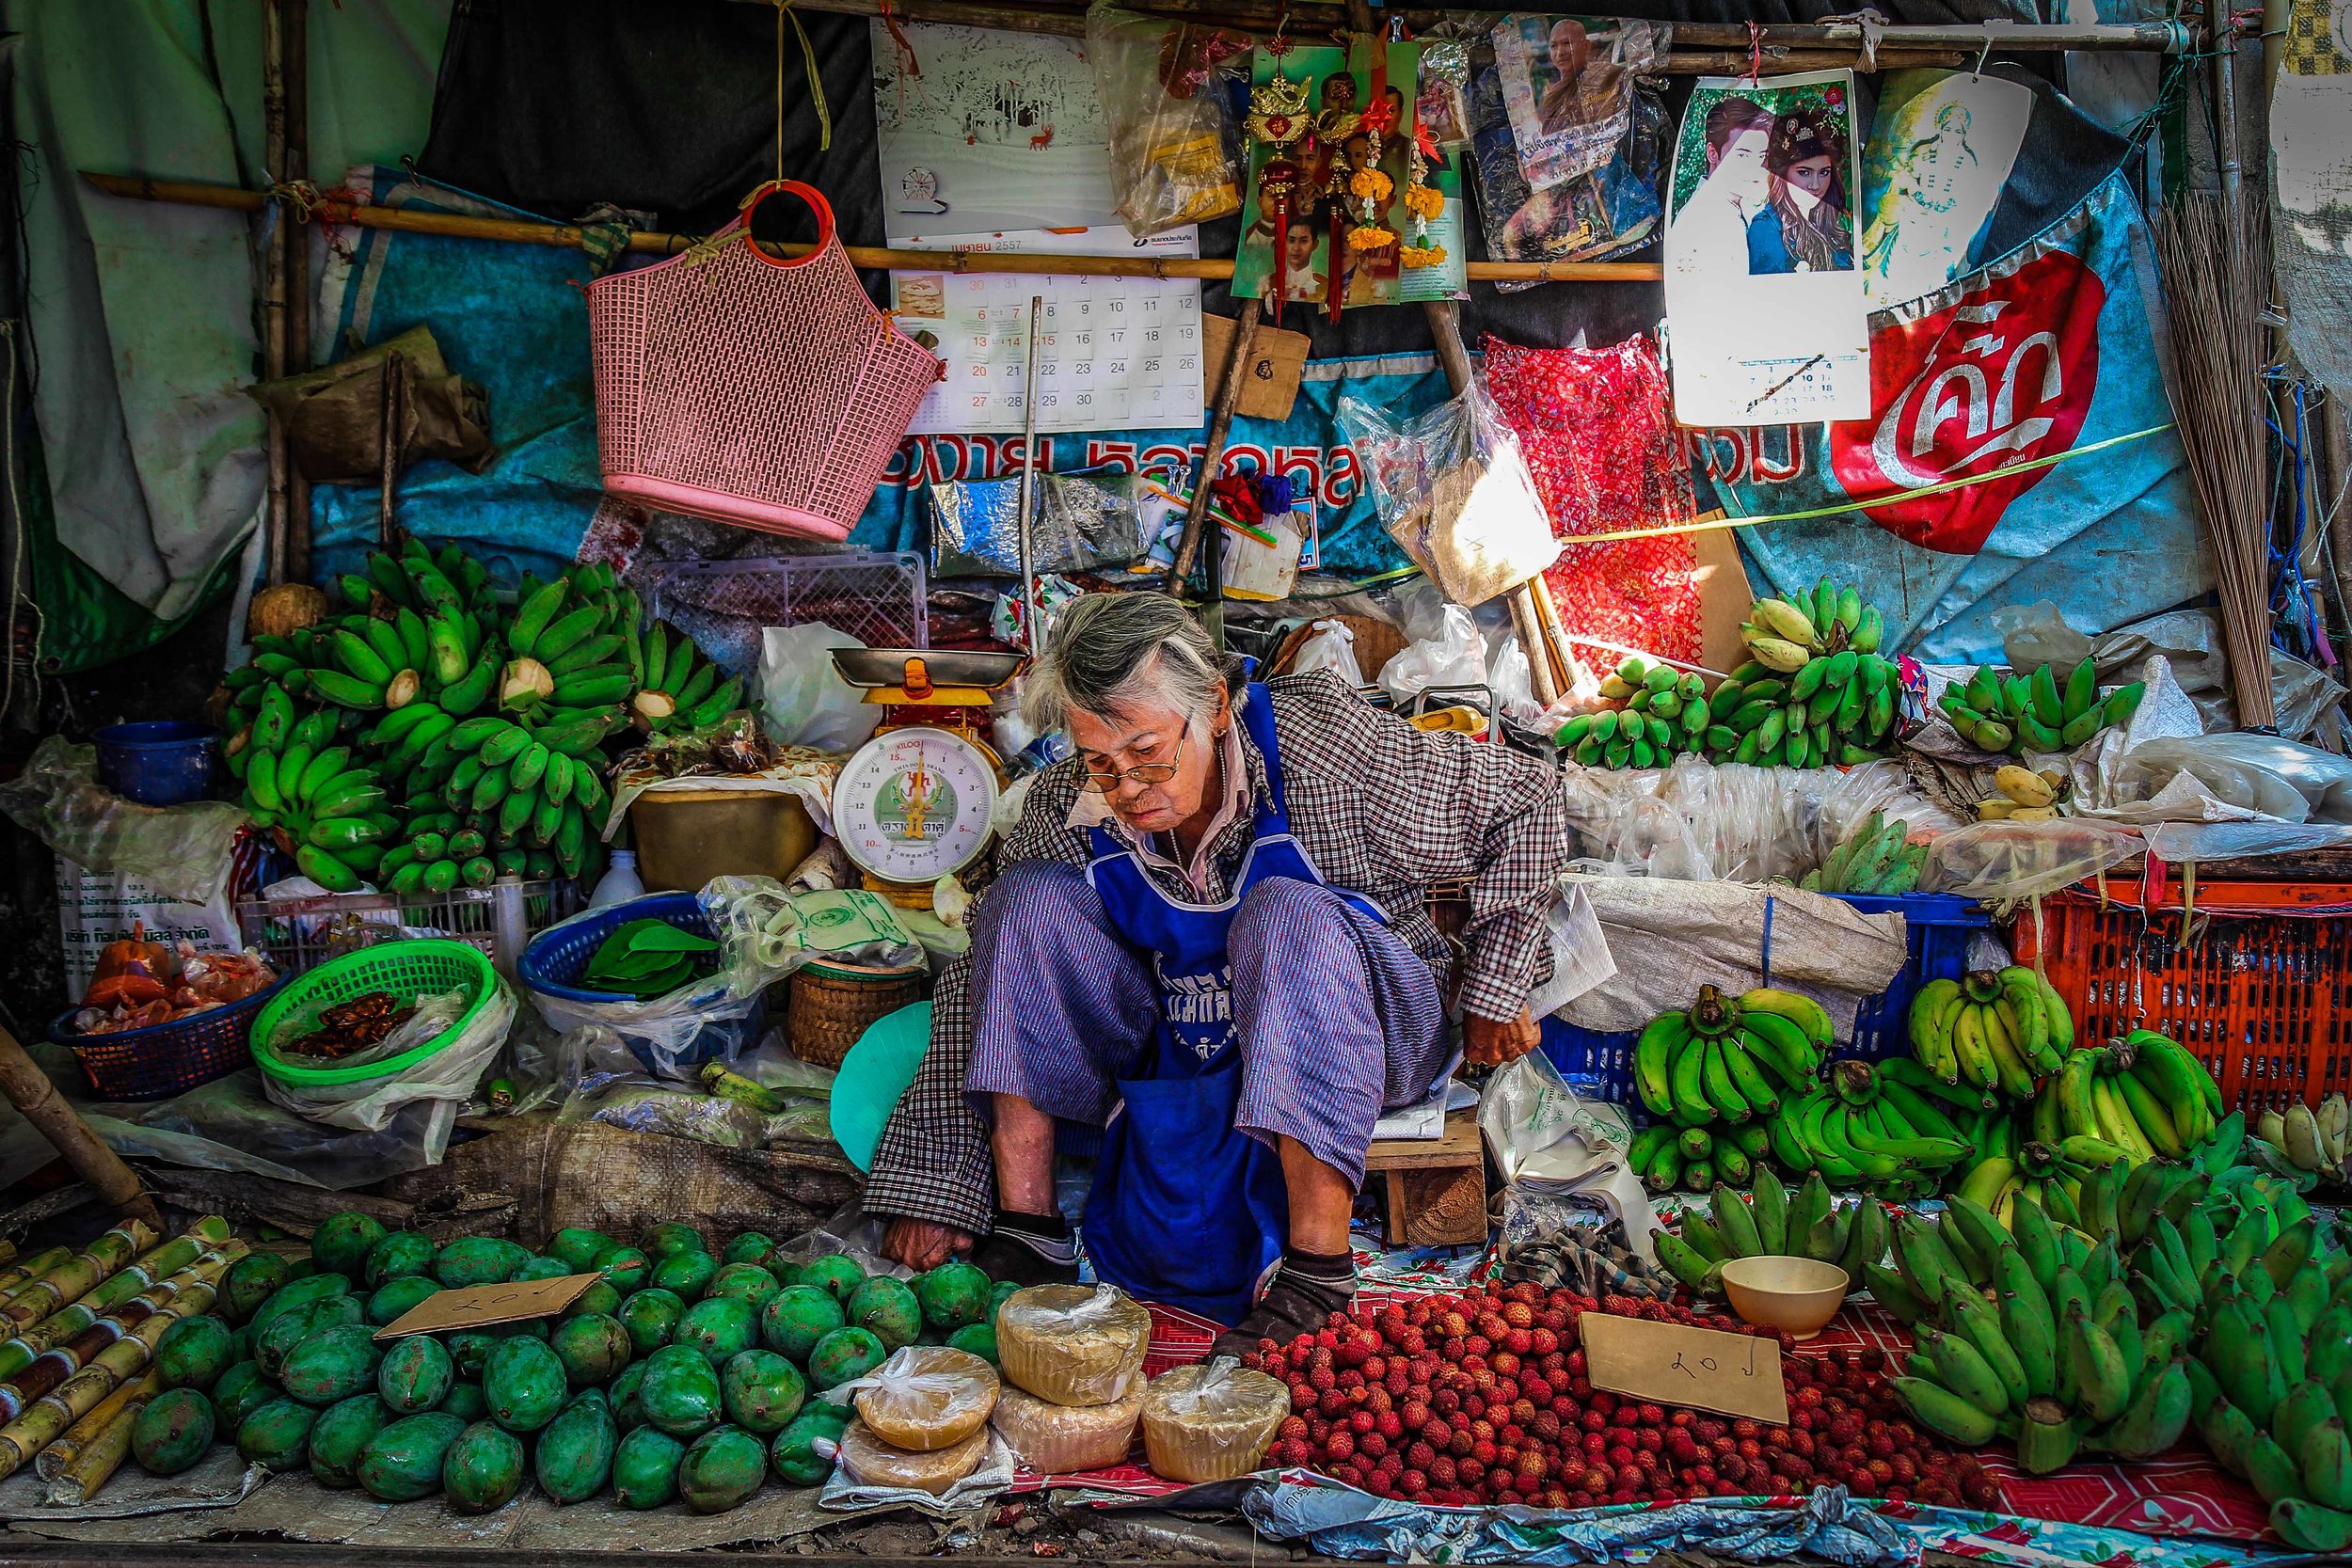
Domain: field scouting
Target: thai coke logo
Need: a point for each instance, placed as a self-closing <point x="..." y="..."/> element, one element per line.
<point x="2002" y="377"/>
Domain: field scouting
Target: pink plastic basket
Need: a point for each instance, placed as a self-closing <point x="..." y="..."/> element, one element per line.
<point x="762" y="392"/>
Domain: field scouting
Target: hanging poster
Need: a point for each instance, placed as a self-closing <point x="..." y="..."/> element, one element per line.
<point x="1767" y="313"/>
<point x="1568" y="85"/>
<point x="2310" y="164"/>
<point x="1942" y="145"/>
<point x="1604" y="212"/>
<point x="980" y="128"/>
<point x="1360" y="143"/>
<point x="2026" y="400"/>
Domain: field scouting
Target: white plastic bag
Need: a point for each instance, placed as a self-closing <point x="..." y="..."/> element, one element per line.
<point x="1551" y="1145"/>
<point x="448" y="1075"/>
<point x="1455" y="656"/>
<point x="1332" y="646"/>
<point x="802" y="699"/>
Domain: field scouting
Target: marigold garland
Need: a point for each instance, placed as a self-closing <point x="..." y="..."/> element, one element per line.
<point x="1369" y="184"/>
<point x="1369" y="237"/>
<point x="1419" y="256"/>
<point x="1425" y="202"/>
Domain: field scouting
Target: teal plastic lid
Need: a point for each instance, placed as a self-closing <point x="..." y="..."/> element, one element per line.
<point x="873" y="1075"/>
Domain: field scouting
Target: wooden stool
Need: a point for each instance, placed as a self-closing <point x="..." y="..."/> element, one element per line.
<point x="1437" y="1186"/>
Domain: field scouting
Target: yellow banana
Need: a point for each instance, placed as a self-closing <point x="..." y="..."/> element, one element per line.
<point x="2016" y="1078"/>
<point x="2116" y="1122"/>
<point x="1781" y="657"/>
<point x="2023" y="785"/>
<point x="1969" y="1045"/>
<point x="1783" y="620"/>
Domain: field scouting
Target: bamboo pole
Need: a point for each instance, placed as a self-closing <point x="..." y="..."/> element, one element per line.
<point x="187" y="192"/>
<point x="274" y="280"/>
<point x="1213" y="451"/>
<point x="24" y="1437"/>
<point x="295" y="235"/>
<point x="38" y="1101"/>
<point x="94" y="1447"/>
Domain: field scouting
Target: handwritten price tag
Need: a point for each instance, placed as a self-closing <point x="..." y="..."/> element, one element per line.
<point x="481" y="1305"/>
<point x="1670" y="1364"/>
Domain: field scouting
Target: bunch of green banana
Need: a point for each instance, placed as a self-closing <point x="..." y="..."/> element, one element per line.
<point x="2271" y="1390"/>
<point x="2033" y="713"/>
<point x="327" y="805"/>
<point x="1866" y="1130"/>
<point x="2143" y="1096"/>
<point x="569" y="644"/>
<point x="1875" y="859"/>
<point x="1666" y="1156"/>
<point x="677" y="688"/>
<point x="1838" y="709"/>
<point x="495" y="785"/>
<point x="1774" y="1223"/>
<point x="1995" y="1029"/>
<point x="2033" y="1332"/>
<point x="1729" y="1061"/>
<point x="2312" y="1142"/>
<point x="1659" y="716"/>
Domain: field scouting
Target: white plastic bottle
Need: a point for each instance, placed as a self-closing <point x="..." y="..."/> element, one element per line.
<point x="619" y="883"/>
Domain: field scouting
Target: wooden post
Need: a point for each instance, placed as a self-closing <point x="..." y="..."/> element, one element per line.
<point x="1212" y="453"/>
<point x="274" y="276"/>
<point x="2335" y="488"/>
<point x="38" y="1101"/>
<point x="295" y="234"/>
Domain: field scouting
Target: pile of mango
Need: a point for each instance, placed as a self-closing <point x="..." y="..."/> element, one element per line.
<point x="681" y="1374"/>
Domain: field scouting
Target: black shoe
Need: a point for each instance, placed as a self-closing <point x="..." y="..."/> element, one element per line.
<point x="1027" y="1259"/>
<point x="1295" y="1304"/>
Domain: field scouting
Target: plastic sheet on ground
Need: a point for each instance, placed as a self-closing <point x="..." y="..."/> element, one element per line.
<point x="220" y="1479"/>
<point x="1669" y="938"/>
<point x="180" y="851"/>
<point x="1339" y="1521"/>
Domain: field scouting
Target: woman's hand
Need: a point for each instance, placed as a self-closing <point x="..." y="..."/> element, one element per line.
<point x="1491" y="1042"/>
<point x="923" y="1244"/>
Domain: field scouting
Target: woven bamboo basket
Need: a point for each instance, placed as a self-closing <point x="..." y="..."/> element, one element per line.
<point x="834" y="1004"/>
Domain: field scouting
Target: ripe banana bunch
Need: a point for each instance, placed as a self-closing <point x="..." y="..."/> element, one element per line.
<point x="1815" y="693"/>
<point x="1991" y="1028"/>
<point x="1774" y="1223"/>
<point x="1667" y="1157"/>
<point x="1785" y="633"/>
<point x="2312" y="1141"/>
<point x="2024" y="795"/>
<point x="2031" y="713"/>
<point x="1865" y="1129"/>
<point x="1723" y="1060"/>
<point x="2272" y="1385"/>
<point x="1661" y="715"/>
<point x="2140" y="1098"/>
<point x="2054" y="1357"/>
<point x="1875" y="859"/>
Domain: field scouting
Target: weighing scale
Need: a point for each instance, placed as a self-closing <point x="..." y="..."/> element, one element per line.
<point x="914" y="804"/>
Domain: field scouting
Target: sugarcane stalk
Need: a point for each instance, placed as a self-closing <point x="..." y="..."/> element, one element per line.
<point x="80" y="1462"/>
<point x="71" y="1281"/>
<point x="51" y="1367"/>
<point x="14" y="1278"/>
<point x="23" y="1438"/>
<point x="158" y="1264"/>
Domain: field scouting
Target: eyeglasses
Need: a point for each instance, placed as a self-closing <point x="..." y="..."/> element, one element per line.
<point x="1145" y="773"/>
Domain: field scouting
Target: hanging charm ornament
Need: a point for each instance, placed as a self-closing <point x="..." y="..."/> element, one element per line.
<point x="1423" y="202"/>
<point x="1278" y="117"/>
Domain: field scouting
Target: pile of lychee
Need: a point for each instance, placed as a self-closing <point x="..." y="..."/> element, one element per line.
<point x="1460" y="1400"/>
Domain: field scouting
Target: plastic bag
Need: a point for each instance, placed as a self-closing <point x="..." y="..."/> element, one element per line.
<point x="802" y="699"/>
<point x="1513" y="682"/>
<point x="2005" y="863"/>
<point x="784" y="930"/>
<point x="2190" y="640"/>
<point x="1455" y="493"/>
<point x="1555" y="1150"/>
<point x="925" y="1398"/>
<point x="1332" y="646"/>
<point x="1455" y="655"/>
<point x="636" y="1104"/>
<point x="1072" y="1343"/>
<point x="2283" y="779"/>
<point x="1171" y="132"/>
<point x="447" y="1077"/>
<point x="1210" y="1421"/>
<point x="182" y="852"/>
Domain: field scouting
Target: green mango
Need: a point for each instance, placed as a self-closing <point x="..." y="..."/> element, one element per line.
<point x="241" y="1390"/>
<point x="535" y="1267"/>
<point x="680" y="1391"/>
<point x="579" y="1249"/>
<point x="1005" y="1289"/>
<point x="395" y="1299"/>
<point x="749" y="1247"/>
<point x="342" y="1243"/>
<point x="802" y="1452"/>
<point x="467" y="1402"/>
<point x="273" y="1344"/>
<point x="478" y="1260"/>
<point x="628" y="1413"/>
<point x="250" y="1281"/>
<point x="688" y="1273"/>
<point x="416" y="1374"/>
<point x="172" y="1432"/>
<point x="399" y="1256"/>
<point x="723" y="1467"/>
<point x="599" y="1300"/>
<point x="844" y="1354"/>
<point x="668" y="1237"/>
<point x="977" y="1338"/>
<point x="292" y="1296"/>
<point x="574" y="1457"/>
<point x="469" y="1348"/>
<point x="833" y="1272"/>
<point x="331" y="1365"/>
<point x="952" y="1295"/>
<point x="644" y="1468"/>
<point x="889" y="1309"/>
<point x="483" y="1468"/>
<point x="651" y="1318"/>
<point x="721" y="1327"/>
<point x="341" y="1434"/>
<point x="403" y="1462"/>
<point x="797" y="1317"/>
<point x="194" y="1352"/>
<point x="524" y="1382"/>
<point x="625" y="1268"/>
<point x="745" y="1282"/>
<point x="276" y="1434"/>
<point x="762" y="1391"/>
<point x="592" y="1349"/>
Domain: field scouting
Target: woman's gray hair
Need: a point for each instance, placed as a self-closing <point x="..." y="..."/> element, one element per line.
<point x="1110" y="654"/>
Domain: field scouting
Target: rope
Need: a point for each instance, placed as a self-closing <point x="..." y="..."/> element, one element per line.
<point x="303" y="195"/>
<point x="815" y="84"/>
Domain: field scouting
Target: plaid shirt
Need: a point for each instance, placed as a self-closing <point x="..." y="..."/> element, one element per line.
<point x="1382" y="809"/>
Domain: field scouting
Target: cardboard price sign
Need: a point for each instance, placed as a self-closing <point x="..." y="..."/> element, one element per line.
<point x="482" y="1306"/>
<point x="1669" y="1364"/>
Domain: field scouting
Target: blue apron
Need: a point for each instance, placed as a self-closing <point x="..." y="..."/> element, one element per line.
<point x="1186" y="1210"/>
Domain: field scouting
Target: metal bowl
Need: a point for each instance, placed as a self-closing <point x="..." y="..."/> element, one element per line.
<point x="875" y="668"/>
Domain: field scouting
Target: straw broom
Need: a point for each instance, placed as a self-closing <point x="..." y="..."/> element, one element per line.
<point x="118" y="1363"/>
<point x="2215" y="252"/>
<point x="158" y="1264"/>
<point x="85" y="1458"/>
<point x="53" y="1367"/>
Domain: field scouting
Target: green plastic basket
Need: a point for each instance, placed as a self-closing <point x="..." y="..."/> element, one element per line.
<point x="404" y="969"/>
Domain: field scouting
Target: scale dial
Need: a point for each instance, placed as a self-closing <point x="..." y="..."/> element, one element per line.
<point x="914" y="804"/>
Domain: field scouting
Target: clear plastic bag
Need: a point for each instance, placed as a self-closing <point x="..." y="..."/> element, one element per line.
<point x="1174" y="144"/>
<point x="448" y="1076"/>
<point x="2005" y="863"/>
<point x="1072" y="1343"/>
<point x="1559" y="1152"/>
<point x="784" y="930"/>
<point x="1453" y="654"/>
<point x="1210" y="1421"/>
<point x="925" y="1398"/>
<point x="2281" y="779"/>
<point x="183" y="852"/>
<point x="609" y="1086"/>
<point x="1332" y="646"/>
<point x="802" y="699"/>
<point x="1455" y="493"/>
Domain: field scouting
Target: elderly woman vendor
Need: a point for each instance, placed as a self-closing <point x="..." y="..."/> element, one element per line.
<point x="1208" y="936"/>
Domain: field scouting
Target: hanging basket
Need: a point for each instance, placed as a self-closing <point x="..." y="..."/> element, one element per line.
<point x="761" y="391"/>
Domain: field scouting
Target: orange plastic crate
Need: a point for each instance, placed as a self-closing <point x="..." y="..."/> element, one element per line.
<point x="2254" y="978"/>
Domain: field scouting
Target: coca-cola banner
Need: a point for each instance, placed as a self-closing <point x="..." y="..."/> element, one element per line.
<point x="2019" y="448"/>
